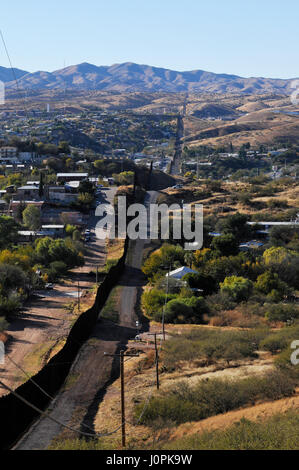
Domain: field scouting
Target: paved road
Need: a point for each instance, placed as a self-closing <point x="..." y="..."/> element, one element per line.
<point x="175" y="168"/>
<point x="133" y="278"/>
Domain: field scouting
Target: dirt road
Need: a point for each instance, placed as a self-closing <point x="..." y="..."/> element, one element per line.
<point x="93" y="372"/>
<point x="45" y="320"/>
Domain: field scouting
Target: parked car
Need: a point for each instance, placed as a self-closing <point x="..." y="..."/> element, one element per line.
<point x="49" y="286"/>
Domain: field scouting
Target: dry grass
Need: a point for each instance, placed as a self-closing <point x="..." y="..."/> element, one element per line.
<point x="140" y="384"/>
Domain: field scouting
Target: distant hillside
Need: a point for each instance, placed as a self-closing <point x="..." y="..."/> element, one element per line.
<point x="6" y="74"/>
<point x="130" y="77"/>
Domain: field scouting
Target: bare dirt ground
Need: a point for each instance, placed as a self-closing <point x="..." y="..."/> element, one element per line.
<point x="92" y="372"/>
<point x="46" y="321"/>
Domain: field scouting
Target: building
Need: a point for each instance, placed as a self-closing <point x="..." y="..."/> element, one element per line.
<point x="28" y="192"/>
<point x="72" y="218"/>
<point x="66" y="177"/>
<point x="8" y="152"/>
<point x="180" y="272"/>
<point x="62" y="194"/>
<point x="52" y="230"/>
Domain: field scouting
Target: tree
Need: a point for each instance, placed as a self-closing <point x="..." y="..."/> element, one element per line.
<point x="99" y="166"/>
<point x="125" y="178"/>
<point x="237" y="225"/>
<point x="177" y="311"/>
<point x="237" y="287"/>
<point x="201" y="281"/>
<point x="277" y="255"/>
<point x="225" y="245"/>
<point x="49" y="250"/>
<point x="32" y="218"/>
<point x="84" y="201"/>
<point x="63" y="147"/>
<point x="41" y="185"/>
<point x="268" y="282"/>
<point x="8" y="231"/>
<point x="281" y="236"/>
<point x="87" y="187"/>
<point x="153" y="301"/>
<point x="189" y="259"/>
<point x="12" y="278"/>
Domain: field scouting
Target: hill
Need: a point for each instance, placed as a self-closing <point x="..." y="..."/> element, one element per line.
<point x="129" y="77"/>
<point x="6" y="74"/>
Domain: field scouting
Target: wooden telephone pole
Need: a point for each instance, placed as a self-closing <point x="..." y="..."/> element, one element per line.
<point x="157" y="357"/>
<point x="121" y="356"/>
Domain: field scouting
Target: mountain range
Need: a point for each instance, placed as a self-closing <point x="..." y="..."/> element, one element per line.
<point x="130" y="77"/>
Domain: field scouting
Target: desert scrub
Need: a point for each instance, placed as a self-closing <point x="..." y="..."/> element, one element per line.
<point x="184" y="403"/>
<point x="279" y="432"/>
<point x="82" y="444"/>
<point x="281" y="339"/>
<point x="209" y="346"/>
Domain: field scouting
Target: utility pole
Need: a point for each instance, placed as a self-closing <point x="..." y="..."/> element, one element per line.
<point x="121" y="356"/>
<point x="97" y="273"/>
<point x="166" y="298"/>
<point x="78" y="296"/>
<point x="157" y="357"/>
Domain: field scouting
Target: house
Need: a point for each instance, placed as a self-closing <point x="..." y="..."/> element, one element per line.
<point x="72" y="218"/>
<point x="251" y="245"/>
<point x="180" y="272"/>
<point x="30" y="192"/>
<point x="14" y="206"/>
<point x="52" y="230"/>
<point x="62" y="194"/>
<point x="28" y="236"/>
<point x="3" y="205"/>
<point x="9" y="152"/>
<point x="66" y="177"/>
<point x="264" y="227"/>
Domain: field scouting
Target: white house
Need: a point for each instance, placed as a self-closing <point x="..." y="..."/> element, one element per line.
<point x="180" y="272"/>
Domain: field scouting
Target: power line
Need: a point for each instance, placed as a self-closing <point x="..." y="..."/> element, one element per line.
<point x="47" y="415"/>
<point x="28" y="376"/>
<point x="14" y="73"/>
<point x="39" y="387"/>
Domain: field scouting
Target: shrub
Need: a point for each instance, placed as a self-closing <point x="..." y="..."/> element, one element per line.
<point x="152" y="301"/>
<point x="282" y="312"/>
<point x="178" y="311"/>
<point x="273" y="343"/>
<point x="3" y="324"/>
<point x="208" y="346"/>
<point x="184" y="403"/>
<point x="9" y="305"/>
<point x="219" y="302"/>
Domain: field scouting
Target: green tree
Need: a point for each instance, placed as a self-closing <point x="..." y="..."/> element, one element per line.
<point x="236" y="224"/>
<point x="125" y="178"/>
<point x="225" y="245"/>
<point x="32" y="217"/>
<point x="237" y="287"/>
<point x="269" y="281"/>
<point x="8" y="231"/>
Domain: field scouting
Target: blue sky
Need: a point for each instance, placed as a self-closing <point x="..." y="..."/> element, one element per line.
<point x="247" y="38"/>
